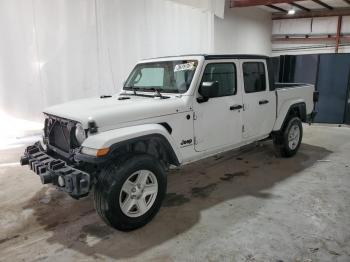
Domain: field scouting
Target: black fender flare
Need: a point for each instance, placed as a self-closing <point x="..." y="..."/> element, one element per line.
<point x="297" y="109"/>
<point x="116" y="148"/>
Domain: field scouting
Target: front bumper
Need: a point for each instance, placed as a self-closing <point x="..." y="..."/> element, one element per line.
<point x="56" y="171"/>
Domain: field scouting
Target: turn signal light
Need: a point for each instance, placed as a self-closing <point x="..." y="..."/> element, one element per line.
<point x="102" y="152"/>
<point x="95" y="152"/>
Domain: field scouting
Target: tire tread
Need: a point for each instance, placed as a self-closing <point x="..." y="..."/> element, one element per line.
<point x="112" y="176"/>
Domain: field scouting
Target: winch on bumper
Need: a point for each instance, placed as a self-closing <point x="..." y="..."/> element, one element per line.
<point x="56" y="171"/>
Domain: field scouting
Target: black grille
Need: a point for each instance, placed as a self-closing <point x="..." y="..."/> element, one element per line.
<point x="60" y="133"/>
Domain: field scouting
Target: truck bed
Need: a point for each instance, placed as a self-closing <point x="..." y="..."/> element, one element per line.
<point x="290" y="93"/>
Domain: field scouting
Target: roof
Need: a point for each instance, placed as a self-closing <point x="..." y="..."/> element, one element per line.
<point x="293" y="9"/>
<point x="235" y="56"/>
<point x="302" y="6"/>
<point x="220" y="56"/>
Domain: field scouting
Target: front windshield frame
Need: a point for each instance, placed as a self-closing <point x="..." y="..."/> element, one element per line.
<point x="185" y="68"/>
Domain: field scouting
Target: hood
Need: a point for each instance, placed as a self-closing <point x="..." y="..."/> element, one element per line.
<point x="110" y="112"/>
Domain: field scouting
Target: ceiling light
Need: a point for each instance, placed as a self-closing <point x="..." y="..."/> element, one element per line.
<point x="291" y="12"/>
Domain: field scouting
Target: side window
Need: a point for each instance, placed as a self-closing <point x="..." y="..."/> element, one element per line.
<point x="225" y="75"/>
<point x="254" y="77"/>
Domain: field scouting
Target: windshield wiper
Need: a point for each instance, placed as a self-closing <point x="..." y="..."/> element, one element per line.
<point x="157" y="91"/>
<point x="132" y="88"/>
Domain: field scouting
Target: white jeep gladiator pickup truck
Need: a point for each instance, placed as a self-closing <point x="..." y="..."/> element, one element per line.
<point x="171" y="111"/>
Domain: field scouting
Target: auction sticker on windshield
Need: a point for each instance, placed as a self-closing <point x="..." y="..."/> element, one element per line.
<point x="186" y="66"/>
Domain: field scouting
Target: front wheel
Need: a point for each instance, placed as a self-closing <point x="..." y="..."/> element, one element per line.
<point x="290" y="139"/>
<point x="129" y="194"/>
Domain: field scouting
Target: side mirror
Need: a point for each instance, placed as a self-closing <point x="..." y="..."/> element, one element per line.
<point x="208" y="90"/>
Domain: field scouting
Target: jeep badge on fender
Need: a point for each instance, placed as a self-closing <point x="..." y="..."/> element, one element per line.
<point x="186" y="142"/>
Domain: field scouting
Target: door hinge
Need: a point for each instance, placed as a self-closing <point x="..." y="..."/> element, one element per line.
<point x="243" y="129"/>
<point x="194" y="116"/>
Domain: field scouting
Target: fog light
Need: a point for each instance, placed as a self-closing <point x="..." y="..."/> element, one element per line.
<point x="61" y="181"/>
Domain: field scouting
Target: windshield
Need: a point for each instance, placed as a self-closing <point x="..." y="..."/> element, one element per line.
<point x="167" y="76"/>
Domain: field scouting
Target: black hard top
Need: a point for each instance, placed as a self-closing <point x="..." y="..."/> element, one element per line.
<point x="238" y="56"/>
<point x="222" y="56"/>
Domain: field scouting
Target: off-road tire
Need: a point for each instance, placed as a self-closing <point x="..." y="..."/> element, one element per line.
<point x="110" y="182"/>
<point x="281" y="141"/>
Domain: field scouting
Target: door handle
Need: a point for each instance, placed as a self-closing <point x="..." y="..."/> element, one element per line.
<point x="236" y="107"/>
<point x="263" y="102"/>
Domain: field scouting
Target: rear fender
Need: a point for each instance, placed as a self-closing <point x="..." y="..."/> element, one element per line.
<point x="286" y="109"/>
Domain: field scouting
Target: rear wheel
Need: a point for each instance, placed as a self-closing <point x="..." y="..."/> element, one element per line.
<point x="129" y="194"/>
<point x="288" y="141"/>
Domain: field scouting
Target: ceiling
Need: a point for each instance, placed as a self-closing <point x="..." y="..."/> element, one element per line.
<point x="311" y="5"/>
<point x="311" y="8"/>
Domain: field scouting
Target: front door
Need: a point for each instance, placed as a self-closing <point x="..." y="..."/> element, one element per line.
<point x="218" y="121"/>
<point x="259" y="102"/>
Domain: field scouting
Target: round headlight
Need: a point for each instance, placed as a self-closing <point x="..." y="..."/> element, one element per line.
<point x="80" y="134"/>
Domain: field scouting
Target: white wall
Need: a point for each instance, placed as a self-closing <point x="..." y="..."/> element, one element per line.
<point x="47" y="54"/>
<point x="59" y="50"/>
<point x="243" y="30"/>
<point x="155" y="28"/>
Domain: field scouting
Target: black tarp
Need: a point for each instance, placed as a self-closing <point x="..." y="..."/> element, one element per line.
<point x="332" y="83"/>
<point x="330" y="73"/>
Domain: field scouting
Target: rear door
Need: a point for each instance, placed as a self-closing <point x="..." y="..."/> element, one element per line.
<point x="218" y="121"/>
<point x="259" y="102"/>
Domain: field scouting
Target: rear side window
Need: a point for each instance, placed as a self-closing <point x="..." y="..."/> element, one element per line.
<point x="254" y="77"/>
<point x="224" y="74"/>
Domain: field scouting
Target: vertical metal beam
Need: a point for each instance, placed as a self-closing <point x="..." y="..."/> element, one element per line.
<point x="340" y="18"/>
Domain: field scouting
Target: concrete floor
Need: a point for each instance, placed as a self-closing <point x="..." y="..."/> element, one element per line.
<point x="247" y="207"/>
